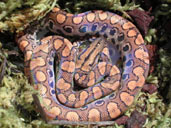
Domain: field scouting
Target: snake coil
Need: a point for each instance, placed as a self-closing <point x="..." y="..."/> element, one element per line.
<point x="100" y="100"/>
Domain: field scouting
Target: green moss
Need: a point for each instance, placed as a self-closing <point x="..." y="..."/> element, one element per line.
<point x="17" y="14"/>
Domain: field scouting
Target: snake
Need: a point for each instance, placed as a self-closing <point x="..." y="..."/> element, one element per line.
<point x="108" y="91"/>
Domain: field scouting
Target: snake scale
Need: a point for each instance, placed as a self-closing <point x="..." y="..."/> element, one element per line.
<point x="103" y="98"/>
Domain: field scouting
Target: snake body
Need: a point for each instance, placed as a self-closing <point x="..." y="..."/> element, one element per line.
<point x="101" y="100"/>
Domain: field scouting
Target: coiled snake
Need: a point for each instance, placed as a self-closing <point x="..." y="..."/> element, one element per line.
<point x="108" y="91"/>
